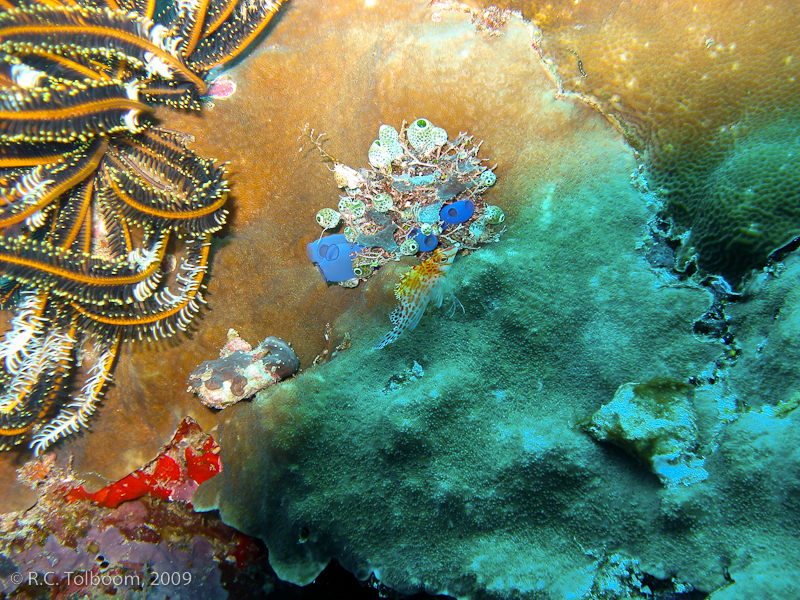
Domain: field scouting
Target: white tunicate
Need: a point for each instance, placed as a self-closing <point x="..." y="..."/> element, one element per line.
<point x="409" y="248"/>
<point x="394" y="150"/>
<point x="494" y="215"/>
<point x="388" y="134"/>
<point x="363" y="269"/>
<point x="420" y="134"/>
<point x="328" y="218"/>
<point x="438" y="137"/>
<point x="382" y="202"/>
<point x="487" y="178"/>
<point x="349" y="234"/>
<point x="352" y="206"/>
<point x="390" y="141"/>
<point x="378" y="157"/>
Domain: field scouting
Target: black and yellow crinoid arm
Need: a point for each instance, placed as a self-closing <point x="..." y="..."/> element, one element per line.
<point x="98" y="33"/>
<point x="105" y="218"/>
<point x="68" y="113"/>
<point x="243" y="25"/>
<point x="27" y="191"/>
<point x="77" y="276"/>
<point x="170" y="308"/>
<point x="154" y="184"/>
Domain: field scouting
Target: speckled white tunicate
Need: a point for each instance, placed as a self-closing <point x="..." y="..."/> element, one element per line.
<point x="394" y="150"/>
<point x="409" y="248"/>
<point x="420" y="134"/>
<point x="349" y="234"/>
<point x="388" y="134"/>
<point x="390" y="141"/>
<point x="438" y="137"/>
<point x="382" y="202"/>
<point x="328" y="218"/>
<point x="378" y="157"/>
<point x="494" y="215"/>
<point x="487" y="178"/>
<point x="352" y="206"/>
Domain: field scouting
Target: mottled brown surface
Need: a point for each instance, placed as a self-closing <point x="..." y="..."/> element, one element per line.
<point x="678" y="69"/>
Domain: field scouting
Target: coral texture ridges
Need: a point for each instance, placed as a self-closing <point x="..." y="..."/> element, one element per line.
<point x="689" y="83"/>
<point x="749" y="204"/>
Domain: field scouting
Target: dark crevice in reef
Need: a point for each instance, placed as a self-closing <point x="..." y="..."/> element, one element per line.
<point x="334" y="583"/>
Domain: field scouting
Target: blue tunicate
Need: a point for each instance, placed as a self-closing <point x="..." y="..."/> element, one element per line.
<point x="333" y="256"/>
<point x="426" y="242"/>
<point x="457" y="212"/>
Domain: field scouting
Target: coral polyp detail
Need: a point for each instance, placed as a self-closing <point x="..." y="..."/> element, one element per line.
<point x="106" y="219"/>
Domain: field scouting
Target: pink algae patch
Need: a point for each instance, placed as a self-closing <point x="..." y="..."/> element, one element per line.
<point x="222" y="87"/>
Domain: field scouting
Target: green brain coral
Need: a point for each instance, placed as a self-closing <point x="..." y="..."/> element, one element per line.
<point x="746" y="206"/>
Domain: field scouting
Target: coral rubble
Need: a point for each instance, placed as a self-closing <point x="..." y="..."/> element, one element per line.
<point x="241" y="371"/>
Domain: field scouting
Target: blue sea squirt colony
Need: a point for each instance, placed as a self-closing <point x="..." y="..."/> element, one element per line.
<point x="422" y="197"/>
<point x="105" y="218"/>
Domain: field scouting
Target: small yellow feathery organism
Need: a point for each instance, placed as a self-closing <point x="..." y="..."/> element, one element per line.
<point x="417" y="288"/>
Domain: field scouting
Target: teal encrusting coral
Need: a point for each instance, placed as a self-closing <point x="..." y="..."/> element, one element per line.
<point x="470" y="475"/>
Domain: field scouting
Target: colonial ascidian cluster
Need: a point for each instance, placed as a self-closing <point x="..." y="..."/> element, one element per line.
<point x="105" y="219"/>
<point x="422" y="191"/>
